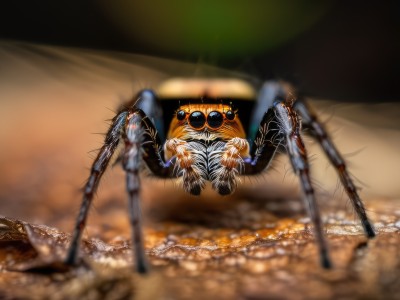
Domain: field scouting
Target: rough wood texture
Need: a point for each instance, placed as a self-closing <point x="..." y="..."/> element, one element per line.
<point x="242" y="252"/>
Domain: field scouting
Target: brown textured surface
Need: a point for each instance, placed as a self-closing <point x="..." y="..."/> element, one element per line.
<point x="255" y="245"/>
<point x="214" y="253"/>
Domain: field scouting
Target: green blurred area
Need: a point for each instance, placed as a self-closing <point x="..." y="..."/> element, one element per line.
<point x="222" y="28"/>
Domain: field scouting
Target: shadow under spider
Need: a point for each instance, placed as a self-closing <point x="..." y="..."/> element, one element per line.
<point x="245" y="209"/>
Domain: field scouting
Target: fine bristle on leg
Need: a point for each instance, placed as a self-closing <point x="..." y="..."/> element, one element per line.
<point x="98" y="168"/>
<point x="318" y="131"/>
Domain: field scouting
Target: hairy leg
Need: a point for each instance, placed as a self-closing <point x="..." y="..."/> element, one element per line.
<point x="132" y="157"/>
<point x="281" y="126"/>
<point x="99" y="166"/>
<point x="317" y="130"/>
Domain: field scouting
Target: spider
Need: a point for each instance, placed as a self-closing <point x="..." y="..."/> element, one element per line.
<point x="206" y="140"/>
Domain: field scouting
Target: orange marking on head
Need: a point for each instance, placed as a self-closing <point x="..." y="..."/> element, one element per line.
<point x="228" y="129"/>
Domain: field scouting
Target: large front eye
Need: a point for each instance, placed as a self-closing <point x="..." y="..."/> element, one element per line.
<point x="197" y="119"/>
<point x="215" y="119"/>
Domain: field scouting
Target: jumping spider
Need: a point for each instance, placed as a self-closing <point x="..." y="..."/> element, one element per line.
<point x="209" y="128"/>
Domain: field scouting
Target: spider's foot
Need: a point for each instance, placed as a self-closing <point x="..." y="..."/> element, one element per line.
<point x="326" y="262"/>
<point x="71" y="259"/>
<point x="369" y="230"/>
<point x="142" y="267"/>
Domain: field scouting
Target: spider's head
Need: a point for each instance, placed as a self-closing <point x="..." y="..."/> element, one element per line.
<point x="206" y="121"/>
<point x="206" y="109"/>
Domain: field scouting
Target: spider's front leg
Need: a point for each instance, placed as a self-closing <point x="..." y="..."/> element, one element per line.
<point x="141" y="141"/>
<point x="131" y="160"/>
<point x="291" y="128"/>
<point x="281" y="126"/>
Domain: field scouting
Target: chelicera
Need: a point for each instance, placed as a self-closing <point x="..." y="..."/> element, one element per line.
<point x="212" y="131"/>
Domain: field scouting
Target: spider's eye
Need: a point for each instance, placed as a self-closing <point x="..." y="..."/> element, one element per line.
<point x="197" y="119"/>
<point x="215" y="119"/>
<point x="181" y="115"/>
<point x="230" y="115"/>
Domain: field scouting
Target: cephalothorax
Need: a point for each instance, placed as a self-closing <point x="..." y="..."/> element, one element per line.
<point x="202" y="130"/>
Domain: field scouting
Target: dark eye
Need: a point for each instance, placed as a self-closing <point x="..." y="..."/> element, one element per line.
<point x="181" y="115"/>
<point x="215" y="119"/>
<point x="230" y="115"/>
<point x="197" y="119"/>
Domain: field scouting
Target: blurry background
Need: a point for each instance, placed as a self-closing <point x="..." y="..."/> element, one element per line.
<point x="340" y="50"/>
<point x="53" y="99"/>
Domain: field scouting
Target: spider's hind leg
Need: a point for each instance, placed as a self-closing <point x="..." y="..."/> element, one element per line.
<point x="318" y="132"/>
<point x="98" y="167"/>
